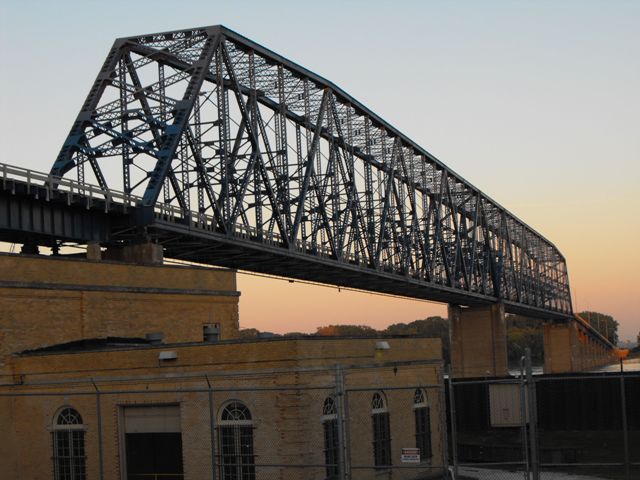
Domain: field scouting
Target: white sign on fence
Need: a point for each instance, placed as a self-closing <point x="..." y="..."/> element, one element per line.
<point x="410" y="455"/>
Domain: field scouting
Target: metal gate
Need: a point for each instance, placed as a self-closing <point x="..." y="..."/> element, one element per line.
<point x="497" y="438"/>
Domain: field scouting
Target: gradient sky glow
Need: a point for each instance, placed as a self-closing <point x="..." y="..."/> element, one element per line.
<point x="535" y="103"/>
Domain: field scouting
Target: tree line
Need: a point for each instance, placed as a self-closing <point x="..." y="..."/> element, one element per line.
<point x="522" y="332"/>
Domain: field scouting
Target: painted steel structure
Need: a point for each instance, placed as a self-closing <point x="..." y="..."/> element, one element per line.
<point x="248" y="160"/>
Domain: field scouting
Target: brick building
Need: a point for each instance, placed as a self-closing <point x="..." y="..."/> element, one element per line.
<point x="120" y="371"/>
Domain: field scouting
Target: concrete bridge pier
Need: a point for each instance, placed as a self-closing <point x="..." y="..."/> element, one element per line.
<point x="573" y="346"/>
<point x="562" y="348"/>
<point x="142" y="253"/>
<point x="478" y="337"/>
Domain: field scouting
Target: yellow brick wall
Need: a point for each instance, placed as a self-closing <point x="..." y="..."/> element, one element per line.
<point x="46" y="301"/>
<point x="223" y="356"/>
<point x="397" y="385"/>
<point x="287" y="421"/>
<point x="8" y="449"/>
<point x="62" y="270"/>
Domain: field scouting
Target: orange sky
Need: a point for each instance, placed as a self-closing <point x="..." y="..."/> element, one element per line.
<point x="281" y="306"/>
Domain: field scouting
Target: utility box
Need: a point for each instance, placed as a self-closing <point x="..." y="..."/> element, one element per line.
<point x="506" y="404"/>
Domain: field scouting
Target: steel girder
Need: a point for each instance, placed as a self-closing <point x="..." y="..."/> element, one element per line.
<point x="220" y="129"/>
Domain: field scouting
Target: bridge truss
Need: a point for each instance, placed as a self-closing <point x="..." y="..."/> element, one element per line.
<point x="248" y="160"/>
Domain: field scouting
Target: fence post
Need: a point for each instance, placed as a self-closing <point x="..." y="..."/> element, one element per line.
<point x="625" y="432"/>
<point x="340" y="394"/>
<point x="452" y="414"/>
<point x="347" y="430"/>
<point x="212" y="420"/>
<point x="442" y="403"/>
<point x="523" y="416"/>
<point x="99" y="415"/>
<point x="533" y="416"/>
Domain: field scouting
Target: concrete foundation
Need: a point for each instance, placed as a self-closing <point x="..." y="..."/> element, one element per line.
<point x="139" y="253"/>
<point x="478" y="341"/>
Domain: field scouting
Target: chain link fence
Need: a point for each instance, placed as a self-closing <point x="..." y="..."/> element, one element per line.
<point x="490" y="438"/>
<point x="328" y="424"/>
<point x="562" y="427"/>
<point x="317" y="424"/>
<point x="589" y="425"/>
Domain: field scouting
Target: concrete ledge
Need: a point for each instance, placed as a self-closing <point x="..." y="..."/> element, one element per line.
<point x="114" y="288"/>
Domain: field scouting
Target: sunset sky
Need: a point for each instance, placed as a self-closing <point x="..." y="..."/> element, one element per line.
<point x="535" y="103"/>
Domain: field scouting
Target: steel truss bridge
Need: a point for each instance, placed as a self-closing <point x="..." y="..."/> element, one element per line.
<point x="228" y="154"/>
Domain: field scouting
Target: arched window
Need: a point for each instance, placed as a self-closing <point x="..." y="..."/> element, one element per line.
<point x="236" y="442"/>
<point x="331" y="442"/>
<point x="68" y="445"/>
<point x="381" y="430"/>
<point x="422" y="416"/>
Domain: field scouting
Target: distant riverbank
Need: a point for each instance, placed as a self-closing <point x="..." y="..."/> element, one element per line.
<point x="628" y="365"/>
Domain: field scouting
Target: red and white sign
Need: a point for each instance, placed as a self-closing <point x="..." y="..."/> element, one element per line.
<point x="410" y="455"/>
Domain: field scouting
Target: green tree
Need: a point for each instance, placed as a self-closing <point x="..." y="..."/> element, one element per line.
<point x="523" y="332"/>
<point x="603" y="323"/>
<point x="346" y="331"/>
<point x="436" y="327"/>
<point x="249" y="332"/>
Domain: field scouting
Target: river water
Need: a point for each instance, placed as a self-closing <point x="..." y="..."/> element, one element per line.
<point x="629" y="365"/>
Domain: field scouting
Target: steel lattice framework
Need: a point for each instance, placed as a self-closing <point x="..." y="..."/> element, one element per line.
<point x="247" y="147"/>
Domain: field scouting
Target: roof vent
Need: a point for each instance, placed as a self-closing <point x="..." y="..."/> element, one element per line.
<point x="155" y="338"/>
<point x="211" y="332"/>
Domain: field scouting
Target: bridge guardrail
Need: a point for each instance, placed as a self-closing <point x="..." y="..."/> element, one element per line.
<point x="167" y="212"/>
<point x="52" y="184"/>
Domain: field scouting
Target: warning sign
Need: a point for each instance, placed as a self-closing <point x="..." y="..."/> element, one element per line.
<point x="410" y="455"/>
